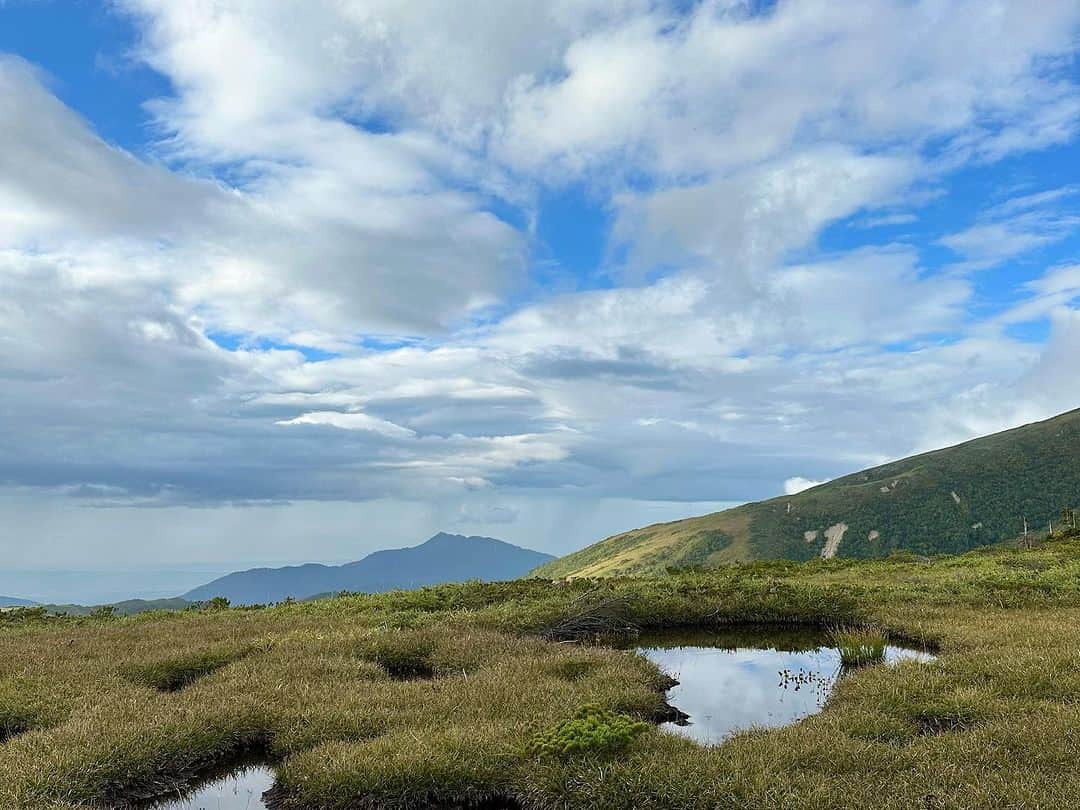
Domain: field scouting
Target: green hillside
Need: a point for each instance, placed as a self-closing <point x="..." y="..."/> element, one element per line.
<point x="946" y="501"/>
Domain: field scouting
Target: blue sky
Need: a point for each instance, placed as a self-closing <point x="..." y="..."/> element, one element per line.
<point x="383" y="264"/>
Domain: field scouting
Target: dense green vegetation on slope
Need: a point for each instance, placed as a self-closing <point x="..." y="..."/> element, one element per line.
<point x="946" y="501"/>
<point x="452" y="693"/>
<point x="128" y="607"/>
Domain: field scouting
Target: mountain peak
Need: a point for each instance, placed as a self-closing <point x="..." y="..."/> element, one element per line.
<point x="458" y="539"/>
<point x="14" y="601"/>
<point x="443" y="558"/>
<point x="444" y="537"/>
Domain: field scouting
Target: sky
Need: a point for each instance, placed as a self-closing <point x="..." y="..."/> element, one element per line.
<point x="284" y="282"/>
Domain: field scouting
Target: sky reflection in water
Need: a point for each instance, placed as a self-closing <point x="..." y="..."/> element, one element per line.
<point x="240" y="790"/>
<point x="732" y="682"/>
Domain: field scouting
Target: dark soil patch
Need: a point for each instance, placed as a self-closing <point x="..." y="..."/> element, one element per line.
<point x="12" y="728"/>
<point x="944" y="722"/>
<point x="408" y="670"/>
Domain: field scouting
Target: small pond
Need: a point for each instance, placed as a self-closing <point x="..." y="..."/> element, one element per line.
<point x="749" y="677"/>
<point x="239" y="789"/>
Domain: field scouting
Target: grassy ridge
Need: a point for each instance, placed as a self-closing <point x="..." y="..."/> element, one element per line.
<point x="394" y="699"/>
<point x="945" y="502"/>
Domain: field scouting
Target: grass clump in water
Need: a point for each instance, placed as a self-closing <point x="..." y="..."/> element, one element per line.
<point x="592" y="730"/>
<point x="859" y="647"/>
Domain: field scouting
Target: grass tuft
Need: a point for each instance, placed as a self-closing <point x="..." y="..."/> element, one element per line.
<point x="859" y="647"/>
<point x="573" y="669"/>
<point x="947" y="714"/>
<point x="403" y="655"/>
<point x="174" y="674"/>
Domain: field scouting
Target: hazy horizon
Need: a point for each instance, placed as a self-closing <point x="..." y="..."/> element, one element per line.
<point x="57" y="582"/>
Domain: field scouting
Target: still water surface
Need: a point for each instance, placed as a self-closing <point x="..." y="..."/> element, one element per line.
<point x="741" y="679"/>
<point x="240" y="790"/>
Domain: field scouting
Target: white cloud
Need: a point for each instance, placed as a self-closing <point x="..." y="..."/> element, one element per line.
<point x="795" y="485"/>
<point x="363" y="238"/>
<point x="887" y="220"/>
<point x="326" y="174"/>
<point x="351" y="421"/>
<point x="1017" y="226"/>
<point x="740" y="225"/>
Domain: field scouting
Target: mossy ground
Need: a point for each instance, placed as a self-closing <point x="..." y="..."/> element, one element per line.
<point x="993" y="722"/>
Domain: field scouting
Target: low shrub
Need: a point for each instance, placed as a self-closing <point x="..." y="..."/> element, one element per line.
<point x="591" y="731"/>
<point x="594" y="616"/>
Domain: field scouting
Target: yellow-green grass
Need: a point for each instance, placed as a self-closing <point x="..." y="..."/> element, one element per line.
<point x="656" y="547"/>
<point x="994" y="721"/>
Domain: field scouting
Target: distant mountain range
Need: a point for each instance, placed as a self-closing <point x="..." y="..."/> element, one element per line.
<point x="946" y="501"/>
<point x="443" y="558"/>
<point x="11" y="601"/>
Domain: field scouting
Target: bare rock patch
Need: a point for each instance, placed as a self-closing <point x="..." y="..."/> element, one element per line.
<point x="833" y="535"/>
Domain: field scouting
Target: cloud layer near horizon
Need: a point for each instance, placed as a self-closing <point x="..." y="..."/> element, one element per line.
<point x="320" y="282"/>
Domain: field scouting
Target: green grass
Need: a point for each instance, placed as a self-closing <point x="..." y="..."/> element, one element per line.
<point x="992" y="722"/>
<point x="859" y="647"/>
<point x="591" y="731"/>
<point x="176" y="672"/>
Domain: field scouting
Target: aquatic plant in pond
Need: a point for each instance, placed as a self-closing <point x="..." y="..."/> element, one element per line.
<point x="859" y="647"/>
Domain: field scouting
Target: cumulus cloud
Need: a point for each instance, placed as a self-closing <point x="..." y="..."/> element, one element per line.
<point x="314" y="286"/>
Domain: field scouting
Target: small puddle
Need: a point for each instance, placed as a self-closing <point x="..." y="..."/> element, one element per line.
<point x="738" y="679"/>
<point x="243" y="787"/>
<point x="240" y="789"/>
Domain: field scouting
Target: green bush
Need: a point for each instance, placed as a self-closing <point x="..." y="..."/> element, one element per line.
<point x="592" y="730"/>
